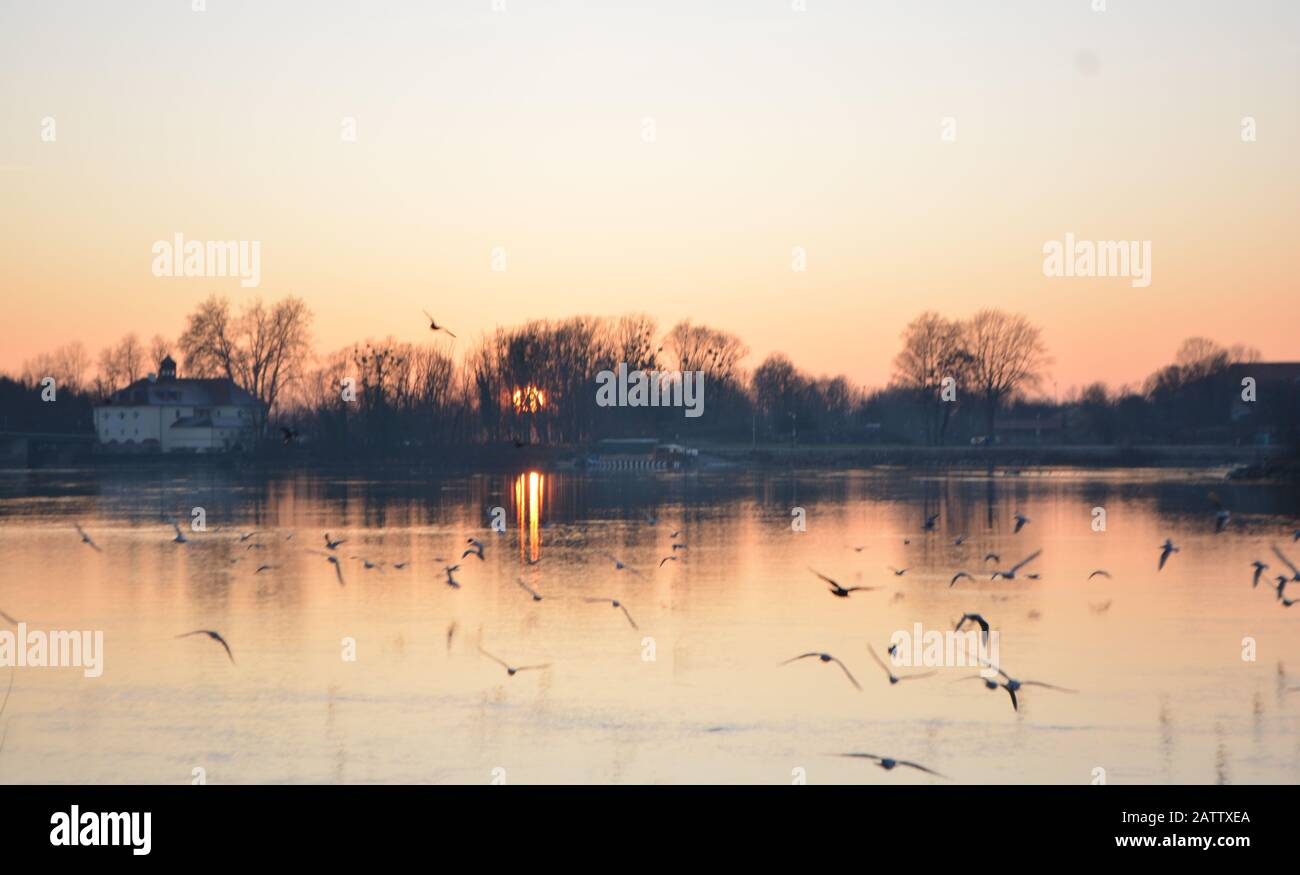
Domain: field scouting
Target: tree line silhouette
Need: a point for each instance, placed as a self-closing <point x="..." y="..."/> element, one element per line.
<point x="955" y="382"/>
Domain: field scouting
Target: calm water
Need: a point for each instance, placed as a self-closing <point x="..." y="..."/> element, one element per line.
<point x="1164" y="694"/>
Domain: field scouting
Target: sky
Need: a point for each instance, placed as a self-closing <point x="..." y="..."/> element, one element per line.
<point x="665" y="158"/>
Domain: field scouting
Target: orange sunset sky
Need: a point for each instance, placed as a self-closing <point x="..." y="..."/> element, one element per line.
<point x="775" y="128"/>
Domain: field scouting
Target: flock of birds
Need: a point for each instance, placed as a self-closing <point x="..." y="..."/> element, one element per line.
<point x="474" y="549"/>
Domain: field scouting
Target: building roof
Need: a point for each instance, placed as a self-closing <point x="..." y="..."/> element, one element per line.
<point x="188" y="392"/>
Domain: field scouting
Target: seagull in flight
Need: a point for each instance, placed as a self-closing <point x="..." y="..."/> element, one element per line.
<point x="262" y="568"/>
<point x="620" y="566"/>
<point x="1012" y="684"/>
<point x="1259" y="569"/>
<point x="958" y="576"/>
<point x="893" y="678"/>
<point x="961" y="539"/>
<point x="1021" y="520"/>
<point x="1167" y="549"/>
<point x="512" y="670"/>
<point x="1010" y="573"/>
<point x="898" y="572"/>
<point x="180" y="536"/>
<point x="824" y="657"/>
<point x="841" y="591"/>
<point x="889" y="763"/>
<point x="332" y="545"/>
<point x="85" y="539"/>
<point x="979" y="620"/>
<point x="992" y="557"/>
<point x="1100" y="572"/>
<point x="215" y="636"/>
<point x="928" y="525"/>
<point x="244" y="536"/>
<point x="667" y="559"/>
<point x="434" y="326"/>
<point x="537" y="596"/>
<point x="476" y="549"/>
<point x="617" y="604"/>
<point x="451" y="581"/>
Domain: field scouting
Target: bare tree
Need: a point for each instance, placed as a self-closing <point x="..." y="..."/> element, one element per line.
<point x="121" y="365"/>
<point x="1007" y="357"/>
<point x="263" y="350"/>
<point x="933" y="350"/>
<point x="67" y="365"/>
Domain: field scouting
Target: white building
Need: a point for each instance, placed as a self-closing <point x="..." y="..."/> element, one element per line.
<point x="166" y="414"/>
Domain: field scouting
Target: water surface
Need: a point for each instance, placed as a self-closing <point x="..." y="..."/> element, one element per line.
<point x="1164" y="694"/>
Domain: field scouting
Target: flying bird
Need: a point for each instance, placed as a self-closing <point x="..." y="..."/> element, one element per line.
<point x="928" y="525"/>
<point x="1010" y="573"/>
<point x="824" y="657"/>
<point x="977" y="619"/>
<point x="992" y="557"/>
<point x="617" y="604"/>
<point x="1259" y="569"/>
<point x="1167" y="549"/>
<point x="1021" y="520"/>
<point x="898" y="572"/>
<point x="85" y="539"/>
<point x="8" y="619"/>
<point x="1100" y="572"/>
<point x="620" y="566"/>
<point x="893" y="678"/>
<point x="667" y="559"/>
<point x="961" y="539"/>
<point x="288" y="434"/>
<point x="262" y="568"/>
<point x="958" y="576"/>
<point x="841" y="591"/>
<point x="476" y="549"/>
<point x="889" y="763"/>
<point x="331" y="545"/>
<point x="512" y="670"/>
<point x="215" y="636"/>
<point x="1012" y="685"/>
<point x="244" y="536"/>
<point x="180" y="536"/>
<point x="434" y="326"/>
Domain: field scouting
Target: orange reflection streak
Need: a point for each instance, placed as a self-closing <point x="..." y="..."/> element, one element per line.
<point x="528" y="513"/>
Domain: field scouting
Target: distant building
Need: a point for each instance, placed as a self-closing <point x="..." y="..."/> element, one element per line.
<point x="168" y="414"/>
<point x="1269" y="412"/>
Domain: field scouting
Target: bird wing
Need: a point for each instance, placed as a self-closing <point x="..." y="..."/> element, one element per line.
<point x="799" y="657"/>
<point x="847" y="674"/>
<point x="1164" y="557"/>
<point x="878" y="660"/>
<point x="629" y="617"/>
<point x="862" y="589"/>
<point x="958" y="576"/>
<point x="225" y="645"/>
<point x="918" y="676"/>
<point x="8" y="619"/>
<point x="1288" y="562"/>
<point x="533" y="667"/>
<point x="824" y="577"/>
<point x="1015" y="706"/>
<point x="498" y="660"/>
<point x="338" y="569"/>
<point x="920" y="767"/>
<point x="665" y="559"/>
<point x="861" y="756"/>
<point x="1048" y="686"/>
<point x="1023" y="562"/>
<point x="526" y="587"/>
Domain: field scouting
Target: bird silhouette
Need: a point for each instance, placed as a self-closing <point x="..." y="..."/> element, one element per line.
<point x="825" y="657"/>
<point x="215" y="636"/>
<point x="434" y="326"/>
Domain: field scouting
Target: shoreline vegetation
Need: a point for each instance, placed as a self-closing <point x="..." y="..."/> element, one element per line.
<point x="964" y="392"/>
